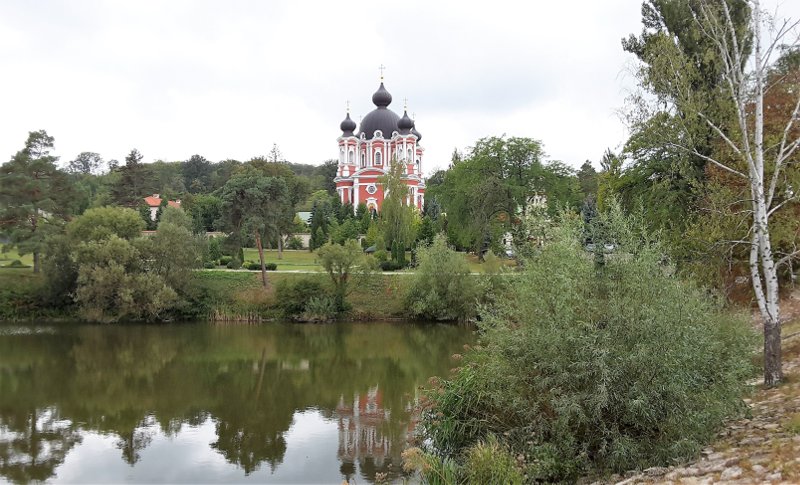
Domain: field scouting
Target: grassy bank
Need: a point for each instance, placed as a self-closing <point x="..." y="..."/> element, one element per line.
<point x="239" y="295"/>
<point x="218" y="295"/>
<point x="304" y="260"/>
<point x="224" y="295"/>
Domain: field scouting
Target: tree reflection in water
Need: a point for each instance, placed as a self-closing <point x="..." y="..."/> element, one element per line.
<point x="34" y="443"/>
<point x="140" y="382"/>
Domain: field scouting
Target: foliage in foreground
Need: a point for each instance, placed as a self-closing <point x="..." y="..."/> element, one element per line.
<point x="591" y="368"/>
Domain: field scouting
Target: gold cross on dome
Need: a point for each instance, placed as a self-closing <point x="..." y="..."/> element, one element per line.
<point x="382" y="67"/>
<point x="347" y="104"/>
<point x="405" y="104"/>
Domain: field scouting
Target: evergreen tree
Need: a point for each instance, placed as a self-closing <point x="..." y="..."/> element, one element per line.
<point x="133" y="183"/>
<point x="34" y="196"/>
<point x="319" y="224"/>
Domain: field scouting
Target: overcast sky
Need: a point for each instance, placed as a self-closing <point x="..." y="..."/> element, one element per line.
<point x="227" y="79"/>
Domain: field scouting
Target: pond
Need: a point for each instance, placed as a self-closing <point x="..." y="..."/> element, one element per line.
<point x="273" y="403"/>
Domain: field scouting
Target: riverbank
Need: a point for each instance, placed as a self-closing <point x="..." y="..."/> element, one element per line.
<point x="221" y="295"/>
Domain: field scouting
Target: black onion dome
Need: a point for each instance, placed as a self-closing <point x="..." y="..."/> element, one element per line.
<point x="405" y="124"/>
<point x="415" y="132"/>
<point x="381" y="118"/>
<point x="382" y="98"/>
<point x="347" y="126"/>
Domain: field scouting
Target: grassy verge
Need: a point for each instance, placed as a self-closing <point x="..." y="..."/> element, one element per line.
<point x="292" y="260"/>
<point x="303" y="260"/>
<point x="239" y="295"/>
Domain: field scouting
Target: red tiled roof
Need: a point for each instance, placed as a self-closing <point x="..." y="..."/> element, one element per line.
<point x="155" y="201"/>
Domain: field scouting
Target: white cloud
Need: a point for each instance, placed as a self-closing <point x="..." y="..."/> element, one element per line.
<point x="229" y="79"/>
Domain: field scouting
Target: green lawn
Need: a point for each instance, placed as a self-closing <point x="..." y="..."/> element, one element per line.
<point x="292" y="260"/>
<point x="303" y="260"/>
<point x="6" y="258"/>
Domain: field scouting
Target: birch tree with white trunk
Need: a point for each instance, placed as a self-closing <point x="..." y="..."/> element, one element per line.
<point x="745" y="81"/>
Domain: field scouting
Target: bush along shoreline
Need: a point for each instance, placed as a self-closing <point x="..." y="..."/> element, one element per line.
<point x="587" y="366"/>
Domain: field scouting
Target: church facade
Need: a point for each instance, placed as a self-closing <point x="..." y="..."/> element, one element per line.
<point x="366" y="154"/>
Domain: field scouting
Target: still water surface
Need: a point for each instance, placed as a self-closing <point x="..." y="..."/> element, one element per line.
<point x="277" y="403"/>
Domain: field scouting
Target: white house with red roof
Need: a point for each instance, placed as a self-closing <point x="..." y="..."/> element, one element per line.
<point x="154" y="202"/>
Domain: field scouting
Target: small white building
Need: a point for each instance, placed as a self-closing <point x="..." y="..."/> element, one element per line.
<point x="154" y="202"/>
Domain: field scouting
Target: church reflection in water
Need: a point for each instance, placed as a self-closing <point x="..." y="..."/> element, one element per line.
<point x="360" y="428"/>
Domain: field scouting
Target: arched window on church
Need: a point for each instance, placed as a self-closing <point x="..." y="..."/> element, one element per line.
<point x="341" y="155"/>
<point x="363" y="159"/>
<point x="378" y="158"/>
<point x="410" y="157"/>
<point x="350" y="157"/>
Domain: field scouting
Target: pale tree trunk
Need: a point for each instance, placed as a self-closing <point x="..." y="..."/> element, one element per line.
<point x="746" y="90"/>
<point x="260" y="248"/>
<point x="770" y="310"/>
<point x="767" y="294"/>
<point x="37" y="266"/>
<point x="280" y="246"/>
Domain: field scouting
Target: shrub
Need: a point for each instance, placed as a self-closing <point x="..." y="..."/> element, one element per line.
<point x="214" y="249"/>
<point x="17" y="264"/>
<point x="294" y="242"/>
<point x="381" y="255"/>
<point x="224" y="260"/>
<point x="21" y="297"/>
<point x="256" y="266"/>
<point x="606" y="368"/>
<point x="442" y="288"/>
<point x="490" y="462"/>
<point x="210" y="264"/>
<point x="234" y="263"/>
<point x="293" y="295"/>
<point x="432" y="469"/>
<point x="320" y="308"/>
<point x="110" y="288"/>
<point x="60" y="271"/>
<point x="389" y="266"/>
<point x="339" y="262"/>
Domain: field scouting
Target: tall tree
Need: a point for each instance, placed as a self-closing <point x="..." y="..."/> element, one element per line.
<point x="134" y="181"/>
<point x="196" y="174"/>
<point x="253" y="203"/>
<point x="662" y="175"/>
<point x="483" y="192"/>
<point x="275" y="155"/>
<point x="86" y="163"/>
<point x="760" y="165"/>
<point x="397" y="215"/>
<point x="587" y="178"/>
<point x="327" y="171"/>
<point x="297" y="191"/>
<point x="34" y="196"/>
